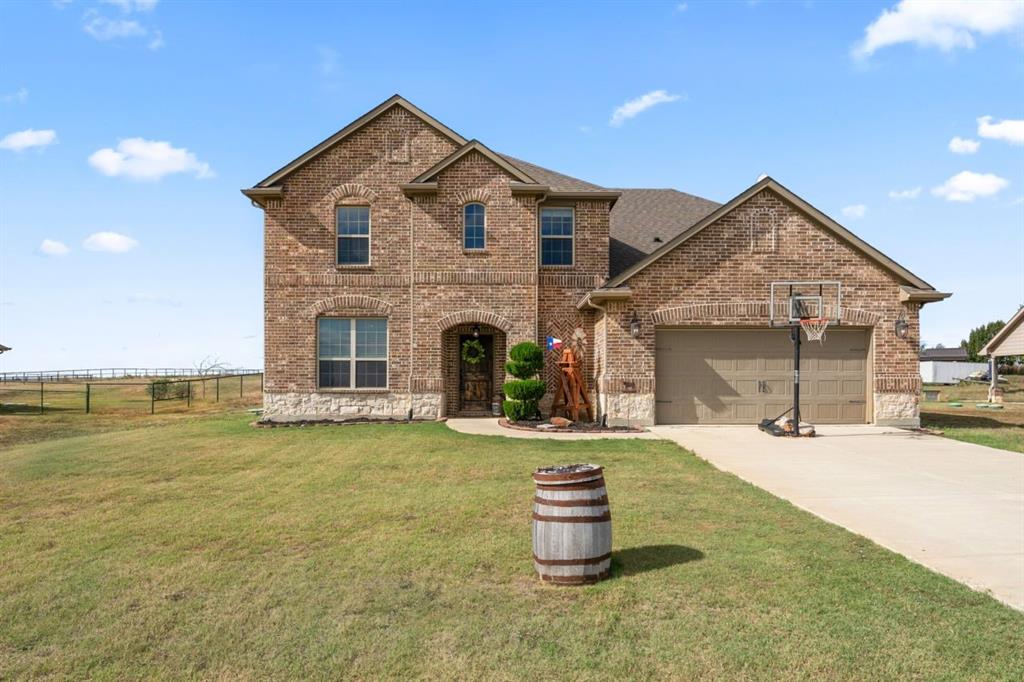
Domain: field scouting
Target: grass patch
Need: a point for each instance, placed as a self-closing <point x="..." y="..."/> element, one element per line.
<point x="1003" y="429"/>
<point x="207" y="548"/>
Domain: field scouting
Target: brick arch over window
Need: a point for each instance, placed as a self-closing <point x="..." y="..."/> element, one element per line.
<point x="727" y="312"/>
<point x="350" y="302"/>
<point x="472" y="196"/>
<point x="350" y="190"/>
<point x="474" y="317"/>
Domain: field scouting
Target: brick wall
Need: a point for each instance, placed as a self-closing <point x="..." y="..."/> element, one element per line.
<point x="722" y="277"/>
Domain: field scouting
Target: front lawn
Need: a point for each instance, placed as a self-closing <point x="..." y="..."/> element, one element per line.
<point x="207" y="548"/>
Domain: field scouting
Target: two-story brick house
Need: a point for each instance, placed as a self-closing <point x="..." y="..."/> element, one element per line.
<point x="394" y="242"/>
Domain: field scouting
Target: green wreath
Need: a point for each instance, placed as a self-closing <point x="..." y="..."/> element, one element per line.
<point x="472" y="351"/>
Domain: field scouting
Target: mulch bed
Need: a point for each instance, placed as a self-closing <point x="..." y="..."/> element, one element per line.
<point x="575" y="427"/>
<point x="335" y="422"/>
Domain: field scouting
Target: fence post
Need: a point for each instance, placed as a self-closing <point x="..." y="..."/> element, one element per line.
<point x="218" y="389"/>
<point x="261" y="383"/>
<point x="241" y="378"/>
<point x="87" y="396"/>
<point x="188" y="385"/>
<point x="42" y="410"/>
<point x="152" y="397"/>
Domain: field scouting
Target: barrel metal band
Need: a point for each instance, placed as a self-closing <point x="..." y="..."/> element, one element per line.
<point x="572" y="562"/>
<point x="607" y="516"/>
<point x="588" y="485"/>
<point x="595" y="502"/>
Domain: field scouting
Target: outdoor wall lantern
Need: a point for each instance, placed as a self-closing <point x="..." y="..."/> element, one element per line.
<point x="902" y="327"/>
<point x="476" y="331"/>
<point x="634" y="326"/>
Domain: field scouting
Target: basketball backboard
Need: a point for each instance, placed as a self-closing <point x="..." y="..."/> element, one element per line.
<point x="790" y="302"/>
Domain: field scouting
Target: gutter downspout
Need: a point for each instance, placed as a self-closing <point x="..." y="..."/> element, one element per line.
<point x="604" y="349"/>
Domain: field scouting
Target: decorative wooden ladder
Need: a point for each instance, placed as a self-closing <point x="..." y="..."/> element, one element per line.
<point x="571" y="392"/>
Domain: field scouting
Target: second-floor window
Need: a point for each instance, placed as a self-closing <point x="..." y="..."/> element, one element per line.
<point x="556" y="236"/>
<point x="474" y="218"/>
<point x="353" y="235"/>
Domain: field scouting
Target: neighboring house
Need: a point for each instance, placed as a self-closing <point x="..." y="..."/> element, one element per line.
<point x="947" y="365"/>
<point x="1008" y="341"/>
<point x="395" y="241"/>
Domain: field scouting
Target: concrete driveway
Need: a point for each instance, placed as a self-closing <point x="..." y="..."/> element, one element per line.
<point x="954" y="507"/>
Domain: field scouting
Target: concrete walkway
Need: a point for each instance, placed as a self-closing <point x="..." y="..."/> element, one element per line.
<point x="954" y="507"/>
<point x="485" y="426"/>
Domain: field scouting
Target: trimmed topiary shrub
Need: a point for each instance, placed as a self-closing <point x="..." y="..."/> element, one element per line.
<point x="526" y="360"/>
<point x="527" y="389"/>
<point x="518" y="410"/>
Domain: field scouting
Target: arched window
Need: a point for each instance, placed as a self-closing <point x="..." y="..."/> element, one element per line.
<point x="474" y="218"/>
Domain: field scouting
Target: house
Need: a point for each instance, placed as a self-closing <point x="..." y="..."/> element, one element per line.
<point x="1008" y="341"/>
<point x="947" y="365"/>
<point x="396" y="242"/>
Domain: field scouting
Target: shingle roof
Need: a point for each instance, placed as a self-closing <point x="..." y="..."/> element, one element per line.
<point x="643" y="220"/>
<point x="555" y="180"/>
<point x="638" y="218"/>
<point x="944" y="354"/>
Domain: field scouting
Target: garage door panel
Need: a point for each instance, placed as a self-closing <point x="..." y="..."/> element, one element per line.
<point x="733" y="376"/>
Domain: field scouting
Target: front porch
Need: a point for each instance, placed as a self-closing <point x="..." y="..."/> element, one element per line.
<point x="473" y="369"/>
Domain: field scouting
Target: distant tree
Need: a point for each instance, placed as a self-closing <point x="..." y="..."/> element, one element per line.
<point x="211" y="364"/>
<point x="939" y="345"/>
<point x="977" y="339"/>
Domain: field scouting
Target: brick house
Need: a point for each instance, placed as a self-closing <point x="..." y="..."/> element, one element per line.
<point x="396" y="241"/>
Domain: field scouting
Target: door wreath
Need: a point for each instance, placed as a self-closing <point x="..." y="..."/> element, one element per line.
<point x="472" y="351"/>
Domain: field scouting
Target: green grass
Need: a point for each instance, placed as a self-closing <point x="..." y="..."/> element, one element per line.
<point x="1003" y="429"/>
<point x="207" y="548"/>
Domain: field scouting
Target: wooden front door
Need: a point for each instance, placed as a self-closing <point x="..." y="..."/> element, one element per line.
<point x="476" y="380"/>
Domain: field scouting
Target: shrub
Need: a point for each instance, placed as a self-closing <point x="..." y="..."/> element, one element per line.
<point x="526" y="360"/>
<point x="518" y="410"/>
<point x="527" y="389"/>
<point x="166" y="389"/>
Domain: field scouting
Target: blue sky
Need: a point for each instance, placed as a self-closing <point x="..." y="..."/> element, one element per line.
<point x="843" y="104"/>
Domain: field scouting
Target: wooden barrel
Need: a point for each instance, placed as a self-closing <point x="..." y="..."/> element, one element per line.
<point x="572" y="524"/>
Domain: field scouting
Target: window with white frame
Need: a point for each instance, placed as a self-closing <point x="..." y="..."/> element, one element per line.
<point x="474" y="219"/>
<point x="353" y="235"/>
<point x="352" y="352"/>
<point x="556" y="236"/>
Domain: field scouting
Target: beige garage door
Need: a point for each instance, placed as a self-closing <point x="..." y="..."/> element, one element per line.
<point x="710" y="376"/>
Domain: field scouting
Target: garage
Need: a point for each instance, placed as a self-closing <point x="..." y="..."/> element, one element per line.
<point x="740" y="376"/>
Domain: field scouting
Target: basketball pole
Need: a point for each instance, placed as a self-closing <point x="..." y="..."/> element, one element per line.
<point x="794" y="336"/>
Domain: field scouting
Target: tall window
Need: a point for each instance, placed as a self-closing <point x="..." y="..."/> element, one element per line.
<point x="473" y="218"/>
<point x="353" y="235"/>
<point x="556" y="233"/>
<point x="352" y="352"/>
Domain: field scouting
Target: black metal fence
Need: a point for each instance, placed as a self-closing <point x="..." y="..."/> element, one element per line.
<point x="117" y="373"/>
<point x="50" y="396"/>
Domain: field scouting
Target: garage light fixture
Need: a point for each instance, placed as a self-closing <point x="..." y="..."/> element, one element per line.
<point x="634" y="326"/>
<point x="902" y="327"/>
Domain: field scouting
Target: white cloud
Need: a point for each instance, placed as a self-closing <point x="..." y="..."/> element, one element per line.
<point x="959" y="145"/>
<point x="18" y="97"/>
<point x="946" y="24"/>
<point x="52" y="247"/>
<point x="111" y="242"/>
<point x="156" y="299"/>
<point x="639" y="105"/>
<point x="855" y="211"/>
<point x="682" y="7"/>
<point x="1007" y="130"/>
<point x="102" y="28"/>
<point x="24" y="139"/>
<point x="911" y="193"/>
<point x="967" y="186"/>
<point x="157" y="41"/>
<point x="132" y="5"/>
<point x="141" y="159"/>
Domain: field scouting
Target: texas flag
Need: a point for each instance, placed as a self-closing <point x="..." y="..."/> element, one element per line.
<point x="554" y="344"/>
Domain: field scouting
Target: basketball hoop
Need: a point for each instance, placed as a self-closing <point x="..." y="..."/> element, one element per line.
<point x="814" y="328"/>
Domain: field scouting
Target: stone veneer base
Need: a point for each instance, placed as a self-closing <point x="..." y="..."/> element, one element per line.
<point x="319" y="406"/>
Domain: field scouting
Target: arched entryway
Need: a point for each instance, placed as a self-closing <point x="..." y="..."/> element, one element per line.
<point x="473" y="368"/>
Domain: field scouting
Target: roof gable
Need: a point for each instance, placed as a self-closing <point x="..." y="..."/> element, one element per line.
<point x="993" y="345"/>
<point x="469" y="147"/>
<point x="393" y="101"/>
<point x="768" y="183"/>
